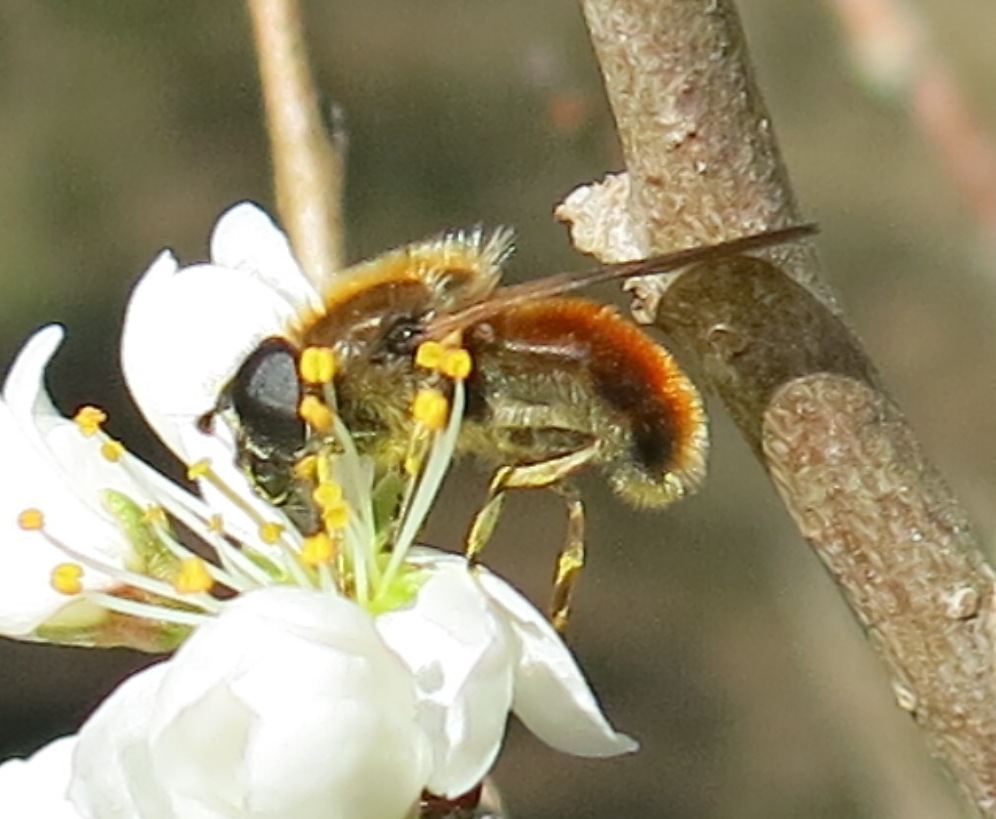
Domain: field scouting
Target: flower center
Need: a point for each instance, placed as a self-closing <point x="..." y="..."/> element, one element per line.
<point x="356" y="548"/>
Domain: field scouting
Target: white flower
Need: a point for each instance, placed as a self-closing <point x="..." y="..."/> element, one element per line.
<point x="300" y="703"/>
<point x="35" y="788"/>
<point x="288" y="704"/>
<point x="89" y="553"/>
<point x="345" y="671"/>
<point x="62" y="471"/>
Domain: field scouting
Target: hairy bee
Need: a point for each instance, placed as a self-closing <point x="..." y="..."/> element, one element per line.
<point x="558" y="383"/>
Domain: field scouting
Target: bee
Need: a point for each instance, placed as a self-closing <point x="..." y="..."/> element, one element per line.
<point x="558" y="384"/>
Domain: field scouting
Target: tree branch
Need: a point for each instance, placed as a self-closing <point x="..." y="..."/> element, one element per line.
<point x="702" y="165"/>
<point x="308" y="167"/>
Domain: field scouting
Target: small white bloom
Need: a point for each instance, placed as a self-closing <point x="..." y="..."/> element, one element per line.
<point x="35" y="788"/>
<point x="301" y="703"/>
<point x="345" y="672"/>
<point x="288" y="704"/>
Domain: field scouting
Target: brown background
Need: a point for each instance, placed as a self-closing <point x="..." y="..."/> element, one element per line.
<point x="709" y="631"/>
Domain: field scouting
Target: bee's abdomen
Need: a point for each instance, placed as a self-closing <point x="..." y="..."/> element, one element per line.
<point x="640" y="401"/>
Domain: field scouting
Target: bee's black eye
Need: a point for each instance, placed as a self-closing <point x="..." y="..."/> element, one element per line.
<point x="266" y="392"/>
<point x="403" y="336"/>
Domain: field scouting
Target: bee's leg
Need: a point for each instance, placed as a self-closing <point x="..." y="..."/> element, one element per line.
<point x="546" y="474"/>
<point x="483" y="525"/>
<point x="571" y="558"/>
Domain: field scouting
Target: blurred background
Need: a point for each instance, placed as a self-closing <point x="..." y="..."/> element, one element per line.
<point x="709" y="631"/>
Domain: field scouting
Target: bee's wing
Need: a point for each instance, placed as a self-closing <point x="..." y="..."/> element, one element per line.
<point x="561" y="283"/>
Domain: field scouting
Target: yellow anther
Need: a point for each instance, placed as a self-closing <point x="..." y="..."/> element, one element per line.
<point x="456" y="364"/>
<point x="317" y="365"/>
<point x="89" y="420"/>
<point x="155" y="516"/>
<point x="318" y="549"/>
<point x="327" y="494"/>
<point x="216" y="524"/>
<point x="31" y="520"/>
<point x="429" y="355"/>
<point x="67" y="578"/>
<point x="193" y="577"/>
<point x="430" y="409"/>
<point x="271" y="532"/>
<point x="112" y="450"/>
<point x="306" y="468"/>
<point x="336" y="516"/>
<point x="315" y="413"/>
<point x="199" y="469"/>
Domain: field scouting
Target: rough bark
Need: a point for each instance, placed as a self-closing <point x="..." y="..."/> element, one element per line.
<point x="702" y="165"/>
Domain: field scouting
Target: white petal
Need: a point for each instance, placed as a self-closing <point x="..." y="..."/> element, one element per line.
<point x="23" y="389"/>
<point x="289" y="704"/>
<point x="246" y="239"/>
<point x="55" y="439"/>
<point x="552" y="697"/>
<point x="112" y="774"/>
<point x="61" y="473"/>
<point x="35" y="788"/>
<point x="463" y="658"/>
<point x="185" y="335"/>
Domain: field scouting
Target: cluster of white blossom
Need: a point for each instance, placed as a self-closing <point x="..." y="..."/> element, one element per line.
<point x="332" y="678"/>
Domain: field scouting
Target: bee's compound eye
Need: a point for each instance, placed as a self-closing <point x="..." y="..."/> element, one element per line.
<point x="403" y="336"/>
<point x="266" y="392"/>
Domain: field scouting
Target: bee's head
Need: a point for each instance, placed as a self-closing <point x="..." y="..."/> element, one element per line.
<point x="378" y="313"/>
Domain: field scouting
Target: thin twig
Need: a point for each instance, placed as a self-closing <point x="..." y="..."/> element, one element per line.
<point x="307" y="165"/>
<point x="702" y="165"/>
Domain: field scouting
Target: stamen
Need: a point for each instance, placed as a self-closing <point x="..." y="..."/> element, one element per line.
<point x="456" y="364"/>
<point x="155" y="516"/>
<point x="67" y="578"/>
<point x="318" y="549"/>
<point x="430" y="409"/>
<point x="90" y="419"/>
<point x="336" y="516"/>
<point x="317" y="365"/>
<point x="193" y="577"/>
<point x="199" y="469"/>
<point x="419" y="501"/>
<point x="31" y="520"/>
<point x="238" y="571"/>
<point x="112" y="450"/>
<point x="126" y="577"/>
<point x="429" y="355"/>
<point x="327" y="494"/>
<point x="150" y="611"/>
<point x="306" y="468"/>
<point x="315" y="413"/>
<point x="271" y="532"/>
<point x="418" y="446"/>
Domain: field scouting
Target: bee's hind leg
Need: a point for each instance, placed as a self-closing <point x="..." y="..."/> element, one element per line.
<point x="570" y="559"/>
<point x="547" y="474"/>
